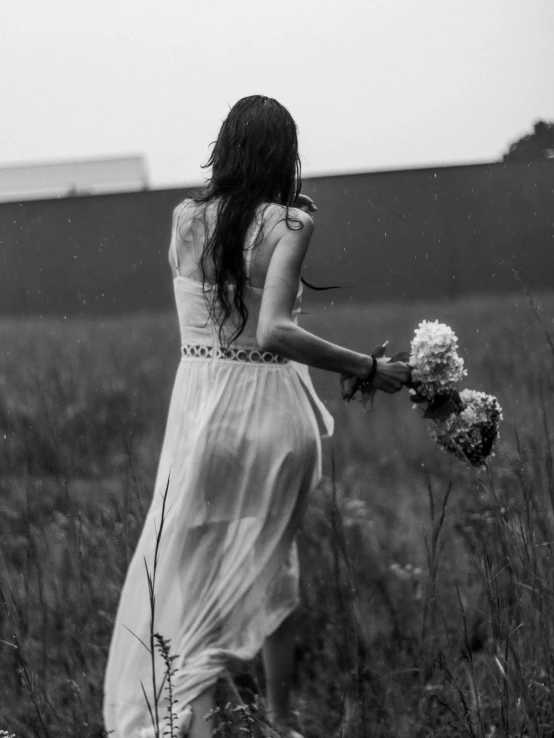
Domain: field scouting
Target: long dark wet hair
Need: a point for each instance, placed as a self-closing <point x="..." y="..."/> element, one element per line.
<point x="254" y="160"/>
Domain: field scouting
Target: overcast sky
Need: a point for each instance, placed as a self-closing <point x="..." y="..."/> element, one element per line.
<point x="372" y="84"/>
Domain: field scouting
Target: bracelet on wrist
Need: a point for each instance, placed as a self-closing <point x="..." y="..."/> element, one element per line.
<point x="372" y="372"/>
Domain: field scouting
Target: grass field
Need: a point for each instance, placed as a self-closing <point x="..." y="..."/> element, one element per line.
<point x="428" y="587"/>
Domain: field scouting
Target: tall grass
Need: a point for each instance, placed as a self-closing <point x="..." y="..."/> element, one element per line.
<point x="427" y="587"/>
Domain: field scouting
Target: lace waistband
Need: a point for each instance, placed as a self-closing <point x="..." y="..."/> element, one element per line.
<point x="232" y="353"/>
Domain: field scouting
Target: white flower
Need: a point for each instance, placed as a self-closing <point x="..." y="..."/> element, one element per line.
<point x="436" y="366"/>
<point x="405" y="572"/>
<point x="355" y="513"/>
<point x="470" y="435"/>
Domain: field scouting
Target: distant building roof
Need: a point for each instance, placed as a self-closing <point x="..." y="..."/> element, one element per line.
<point x="66" y="178"/>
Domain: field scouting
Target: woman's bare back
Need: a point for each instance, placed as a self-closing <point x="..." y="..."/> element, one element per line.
<point x="195" y="225"/>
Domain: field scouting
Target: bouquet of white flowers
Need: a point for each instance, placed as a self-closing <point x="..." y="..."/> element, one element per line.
<point x="465" y="423"/>
<point x="470" y="435"/>
<point x="436" y="366"/>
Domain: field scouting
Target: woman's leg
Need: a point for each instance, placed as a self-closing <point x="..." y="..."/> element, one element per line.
<point x="278" y="658"/>
<point x="201" y="706"/>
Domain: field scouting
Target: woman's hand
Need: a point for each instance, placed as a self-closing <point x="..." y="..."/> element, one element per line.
<point x="391" y="376"/>
<point x="305" y="203"/>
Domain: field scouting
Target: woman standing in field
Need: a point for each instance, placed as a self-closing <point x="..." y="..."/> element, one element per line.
<point x="242" y="448"/>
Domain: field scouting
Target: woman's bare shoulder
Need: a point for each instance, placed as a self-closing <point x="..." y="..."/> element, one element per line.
<point x="192" y="218"/>
<point x="187" y="209"/>
<point x="280" y="220"/>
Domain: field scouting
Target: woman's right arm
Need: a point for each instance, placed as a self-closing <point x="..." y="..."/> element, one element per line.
<point x="277" y="332"/>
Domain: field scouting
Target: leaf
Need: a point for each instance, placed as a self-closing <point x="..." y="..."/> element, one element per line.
<point x="367" y="398"/>
<point x="418" y="399"/>
<point x="432" y="413"/>
<point x="379" y="351"/>
<point x="400" y="356"/>
<point x="349" y="386"/>
<point x="441" y="408"/>
<point x="455" y="395"/>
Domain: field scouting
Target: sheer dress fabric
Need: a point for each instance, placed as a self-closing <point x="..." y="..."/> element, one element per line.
<point x="240" y="454"/>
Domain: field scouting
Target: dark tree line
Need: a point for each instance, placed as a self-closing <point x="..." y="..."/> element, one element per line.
<point x="536" y="146"/>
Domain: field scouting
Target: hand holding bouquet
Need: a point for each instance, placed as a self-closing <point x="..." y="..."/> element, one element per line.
<point x="465" y="423"/>
<point x="387" y="375"/>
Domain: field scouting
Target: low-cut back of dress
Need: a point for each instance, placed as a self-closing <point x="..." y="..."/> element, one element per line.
<point x="241" y="452"/>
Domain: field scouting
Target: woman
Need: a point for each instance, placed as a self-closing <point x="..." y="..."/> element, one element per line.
<point x="242" y="448"/>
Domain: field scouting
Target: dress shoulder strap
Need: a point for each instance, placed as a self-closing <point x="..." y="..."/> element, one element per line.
<point x="173" y="244"/>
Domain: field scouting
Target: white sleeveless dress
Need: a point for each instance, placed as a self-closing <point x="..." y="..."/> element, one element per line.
<point x="241" y="452"/>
